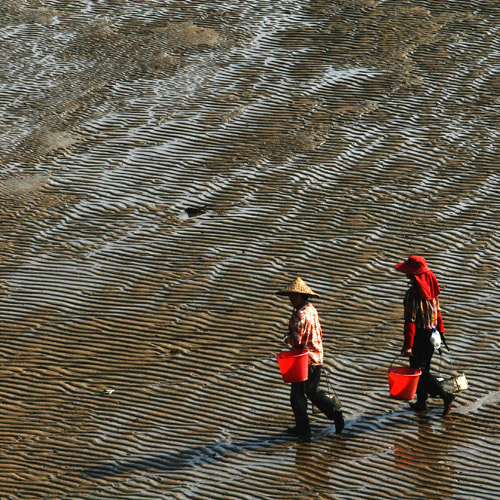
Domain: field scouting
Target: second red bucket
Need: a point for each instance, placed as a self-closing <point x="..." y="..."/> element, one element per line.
<point x="293" y="365"/>
<point x="403" y="382"/>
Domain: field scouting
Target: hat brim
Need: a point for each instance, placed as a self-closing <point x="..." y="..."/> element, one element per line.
<point x="405" y="268"/>
<point x="401" y="267"/>
<point x="287" y="294"/>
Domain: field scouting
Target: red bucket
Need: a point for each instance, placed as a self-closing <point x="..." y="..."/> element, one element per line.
<point x="403" y="382"/>
<point x="293" y="365"/>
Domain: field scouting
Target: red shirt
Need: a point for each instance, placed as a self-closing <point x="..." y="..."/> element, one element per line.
<point x="304" y="332"/>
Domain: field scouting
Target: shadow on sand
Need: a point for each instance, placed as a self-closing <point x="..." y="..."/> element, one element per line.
<point x="195" y="457"/>
<point x="216" y="451"/>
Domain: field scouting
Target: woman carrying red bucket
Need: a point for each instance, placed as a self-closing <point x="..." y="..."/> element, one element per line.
<point x="304" y="332"/>
<point x="422" y="320"/>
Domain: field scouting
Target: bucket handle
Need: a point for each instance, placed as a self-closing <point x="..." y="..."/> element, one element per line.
<point x="441" y="364"/>
<point x="397" y="356"/>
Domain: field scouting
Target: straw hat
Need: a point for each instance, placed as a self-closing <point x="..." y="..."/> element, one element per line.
<point x="413" y="265"/>
<point x="297" y="286"/>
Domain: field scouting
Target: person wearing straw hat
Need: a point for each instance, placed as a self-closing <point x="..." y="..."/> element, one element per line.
<point x="423" y="322"/>
<point x="304" y="332"/>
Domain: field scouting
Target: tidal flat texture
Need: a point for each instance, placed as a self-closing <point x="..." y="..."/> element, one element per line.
<point x="166" y="167"/>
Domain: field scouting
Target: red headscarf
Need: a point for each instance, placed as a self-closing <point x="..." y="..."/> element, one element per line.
<point x="426" y="281"/>
<point x="427" y="284"/>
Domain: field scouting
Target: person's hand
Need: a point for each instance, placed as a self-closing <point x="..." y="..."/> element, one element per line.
<point x="406" y="352"/>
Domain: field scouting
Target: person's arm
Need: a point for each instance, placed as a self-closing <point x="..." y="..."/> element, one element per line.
<point x="409" y="326"/>
<point x="292" y="340"/>
<point x="409" y="335"/>
<point x="440" y="324"/>
<point x="299" y="333"/>
<point x="293" y="337"/>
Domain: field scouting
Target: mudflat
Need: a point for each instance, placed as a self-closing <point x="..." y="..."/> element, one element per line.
<point x="166" y="168"/>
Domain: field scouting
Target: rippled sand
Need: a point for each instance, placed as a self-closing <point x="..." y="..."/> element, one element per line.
<point x="166" y="167"/>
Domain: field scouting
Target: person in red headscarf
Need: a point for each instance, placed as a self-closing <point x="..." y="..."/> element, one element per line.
<point x="423" y="322"/>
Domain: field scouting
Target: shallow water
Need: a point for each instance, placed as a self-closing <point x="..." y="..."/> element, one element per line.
<point x="166" y="167"/>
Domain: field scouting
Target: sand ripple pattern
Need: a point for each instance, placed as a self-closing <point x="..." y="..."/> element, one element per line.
<point x="166" y="167"/>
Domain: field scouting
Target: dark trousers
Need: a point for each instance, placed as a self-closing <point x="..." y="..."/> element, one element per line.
<point x="422" y="351"/>
<point x="301" y="391"/>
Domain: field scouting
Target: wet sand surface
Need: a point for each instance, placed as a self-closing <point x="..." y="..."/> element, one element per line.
<point x="166" y="167"/>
